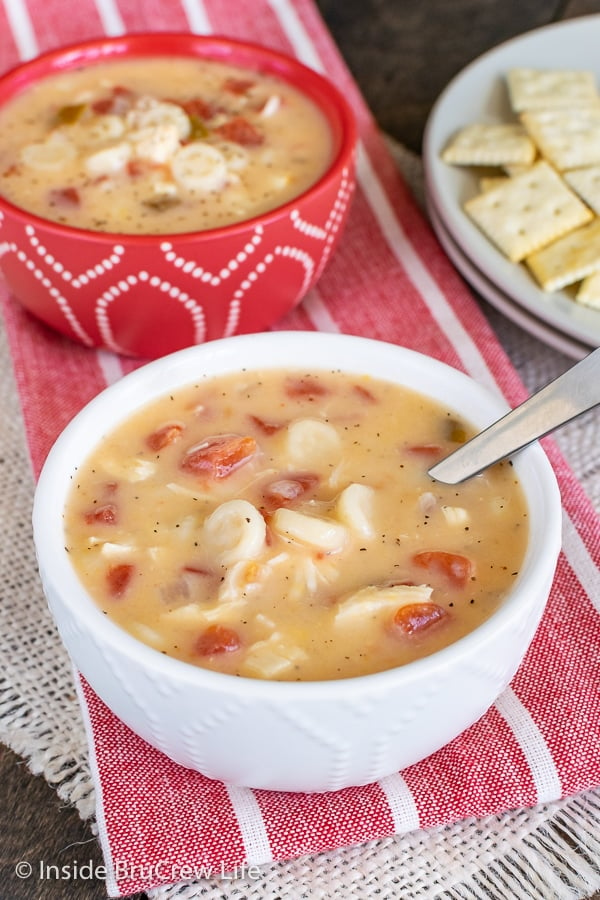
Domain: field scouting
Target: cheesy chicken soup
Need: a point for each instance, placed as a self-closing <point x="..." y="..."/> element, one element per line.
<point x="159" y="146"/>
<point x="282" y="525"/>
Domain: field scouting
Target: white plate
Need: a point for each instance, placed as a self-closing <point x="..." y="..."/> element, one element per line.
<point x="490" y="292"/>
<point x="478" y="94"/>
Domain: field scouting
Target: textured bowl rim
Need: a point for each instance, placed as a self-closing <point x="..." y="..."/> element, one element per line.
<point x="156" y="378"/>
<point x="323" y="92"/>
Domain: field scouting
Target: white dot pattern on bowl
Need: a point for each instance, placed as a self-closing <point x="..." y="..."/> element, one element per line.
<point x="189" y="266"/>
<point x="122" y="287"/>
<point x="53" y="291"/>
<point x="84" y="299"/>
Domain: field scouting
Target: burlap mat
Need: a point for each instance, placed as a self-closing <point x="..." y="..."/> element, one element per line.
<point x="551" y="851"/>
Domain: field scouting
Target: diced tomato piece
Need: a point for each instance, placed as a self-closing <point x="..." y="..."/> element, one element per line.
<point x="198" y="570"/>
<point x="416" y="617"/>
<point x="164" y="436"/>
<point x="203" y="109"/>
<point x="425" y="449"/>
<point x="284" y="491"/>
<point x="455" y="568"/>
<point x="217" y="639"/>
<point x="68" y="196"/>
<point x="240" y="131"/>
<point x="117" y="103"/>
<point x="266" y="427"/>
<point x="103" y="105"/>
<point x="219" y="456"/>
<point x="297" y="388"/>
<point x="364" y="393"/>
<point x="238" y="86"/>
<point x="118" y="578"/>
<point x="136" y="167"/>
<point x="102" y="515"/>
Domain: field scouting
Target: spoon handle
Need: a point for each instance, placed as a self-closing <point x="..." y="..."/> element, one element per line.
<point x="568" y="396"/>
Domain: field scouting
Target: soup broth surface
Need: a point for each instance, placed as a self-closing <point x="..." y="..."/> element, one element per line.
<point x="159" y="145"/>
<point x="282" y="525"/>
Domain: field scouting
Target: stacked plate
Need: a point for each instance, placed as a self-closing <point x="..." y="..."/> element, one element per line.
<point x="478" y="94"/>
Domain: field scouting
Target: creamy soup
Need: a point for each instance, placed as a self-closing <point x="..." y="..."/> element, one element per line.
<point x="159" y="146"/>
<point x="283" y="526"/>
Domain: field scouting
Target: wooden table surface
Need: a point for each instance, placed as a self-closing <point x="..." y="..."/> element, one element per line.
<point x="402" y="53"/>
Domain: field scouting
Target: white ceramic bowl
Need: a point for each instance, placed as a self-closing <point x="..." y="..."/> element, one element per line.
<point x="312" y="736"/>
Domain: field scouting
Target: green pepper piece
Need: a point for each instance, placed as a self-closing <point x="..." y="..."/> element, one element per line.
<point x="198" y="129"/>
<point x="68" y="115"/>
<point x="458" y="433"/>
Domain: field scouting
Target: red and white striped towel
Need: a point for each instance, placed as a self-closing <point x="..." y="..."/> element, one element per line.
<point x="160" y="823"/>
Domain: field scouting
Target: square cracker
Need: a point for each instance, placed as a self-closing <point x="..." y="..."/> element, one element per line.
<point x="528" y="211"/>
<point x="586" y="183"/>
<point x="589" y="291"/>
<point x="517" y="168"/>
<point x="550" y="88"/>
<point x="568" y="138"/>
<point x="489" y="182"/>
<point x="569" y="259"/>
<point x="483" y="144"/>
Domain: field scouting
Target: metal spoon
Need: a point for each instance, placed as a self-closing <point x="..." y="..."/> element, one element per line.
<point x="574" y="392"/>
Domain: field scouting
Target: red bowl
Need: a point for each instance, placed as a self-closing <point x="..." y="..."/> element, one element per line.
<point x="149" y="295"/>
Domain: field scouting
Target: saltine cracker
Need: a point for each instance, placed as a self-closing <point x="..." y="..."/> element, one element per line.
<point x="550" y="88"/>
<point x="483" y="144"/>
<point x="528" y="211"/>
<point x="568" y="138"/>
<point x="568" y="259"/>
<point x="586" y="183"/>
<point x="588" y="293"/>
